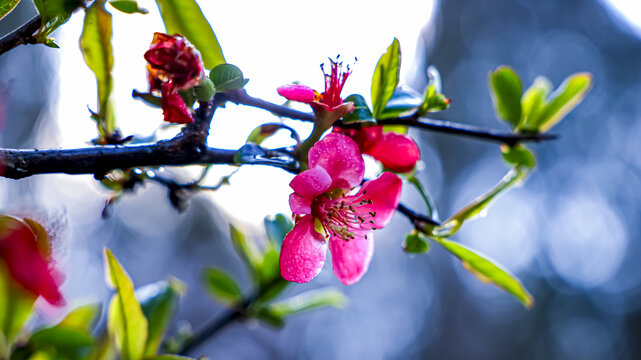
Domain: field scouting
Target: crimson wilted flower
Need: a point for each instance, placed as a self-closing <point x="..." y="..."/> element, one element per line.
<point x="26" y="261"/>
<point x="326" y="213"/>
<point x="396" y="152"/>
<point x="173" y="65"/>
<point x="328" y="106"/>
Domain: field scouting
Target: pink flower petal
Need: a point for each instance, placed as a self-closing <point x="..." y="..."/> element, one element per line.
<point x="302" y="255"/>
<point x="300" y="205"/>
<point x="385" y="193"/>
<point x="350" y="259"/>
<point x="340" y="157"/>
<point x="297" y="92"/>
<point x="395" y="151"/>
<point x="311" y="182"/>
<point x="173" y="106"/>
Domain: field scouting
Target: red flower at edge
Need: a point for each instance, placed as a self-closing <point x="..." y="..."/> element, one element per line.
<point x="396" y="152"/>
<point x="25" y="261"/>
<point x="173" y="65"/>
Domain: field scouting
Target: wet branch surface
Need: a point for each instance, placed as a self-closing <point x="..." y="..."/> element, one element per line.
<point x="21" y="36"/>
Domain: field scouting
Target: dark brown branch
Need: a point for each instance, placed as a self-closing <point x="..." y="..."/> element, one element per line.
<point x="20" y="36"/>
<point x="241" y="97"/>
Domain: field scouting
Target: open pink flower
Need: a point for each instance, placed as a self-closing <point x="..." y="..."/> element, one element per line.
<point x="173" y="65"/>
<point x="396" y="152"/>
<point x="329" y="104"/>
<point x="24" y="259"/>
<point x="327" y="214"/>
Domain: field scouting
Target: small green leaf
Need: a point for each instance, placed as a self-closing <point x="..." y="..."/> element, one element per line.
<point x="433" y="100"/>
<point x="227" y="77"/>
<point x="61" y="337"/>
<point x="205" y="90"/>
<point x="307" y="301"/>
<point x="126" y="322"/>
<point x="246" y="248"/>
<point x="150" y="99"/>
<point x="49" y="42"/>
<point x="533" y="102"/>
<point x="506" y="91"/>
<point x="415" y="243"/>
<point x="270" y="268"/>
<point x="128" y="6"/>
<point x="159" y="302"/>
<point x="518" y="155"/>
<point x="562" y="101"/>
<point x="424" y="194"/>
<point x="6" y="6"/>
<point x="480" y="204"/>
<point x="222" y="286"/>
<point x="277" y="227"/>
<point x="168" y="357"/>
<point x="82" y="317"/>
<point x="53" y="13"/>
<point x="273" y="289"/>
<point x="361" y="113"/>
<point x="95" y="43"/>
<point x="184" y="17"/>
<point x="263" y="132"/>
<point x="402" y="103"/>
<point x="488" y="271"/>
<point x="386" y="77"/>
<point x="16" y="304"/>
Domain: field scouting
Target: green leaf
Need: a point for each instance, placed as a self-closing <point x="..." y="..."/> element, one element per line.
<point x="402" y="103"/>
<point x="431" y="208"/>
<point x="361" y="113"/>
<point x="16" y="305"/>
<point x="476" y="208"/>
<point x="128" y="6"/>
<point x="222" y="286"/>
<point x="270" y="268"/>
<point x="562" y="101"/>
<point x="246" y="248"/>
<point x="307" y="301"/>
<point x="433" y="100"/>
<point x="6" y="6"/>
<point x="506" y="90"/>
<point x="533" y="101"/>
<point x="415" y="243"/>
<point x="150" y="99"/>
<point x="277" y="227"/>
<point x="126" y="322"/>
<point x="81" y="318"/>
<point x="61" y="337"/>
<point x="273" y="289"/>
<point x="227" y="77"/>
<point x="184" y="17"/>
<point x="263" y="132"/>
<point x="168" y="357"/>
<point x="386" y="76"/>
<point x="205" y="90"/>
<point x="518" y="155"/>
<point x="488" y="271"/>
<point x="159" y="302"/>
<point x="95" y="43"/>
<point x="53" y="13"/>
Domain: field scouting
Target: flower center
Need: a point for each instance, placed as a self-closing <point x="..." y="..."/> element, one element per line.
<point x="334" y="82"/>
<point x="345" y="217"/>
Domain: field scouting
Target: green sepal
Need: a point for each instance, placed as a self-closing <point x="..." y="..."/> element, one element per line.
<point x="227" y="77"/>
<point x="415" y="243"/>
<point x="361" y="113"/>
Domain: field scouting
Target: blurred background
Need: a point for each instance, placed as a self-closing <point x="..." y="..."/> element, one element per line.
<point x="571" y="233"/>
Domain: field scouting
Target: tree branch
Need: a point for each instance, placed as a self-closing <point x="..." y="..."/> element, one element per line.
<point x="22" y="35"/>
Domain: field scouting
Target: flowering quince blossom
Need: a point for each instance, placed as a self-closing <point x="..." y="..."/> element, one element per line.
<point x="173" y="65"/>
<point x="328" y="106"/>
<point x="326" y="215"/>
<point x="28" y="265"/>
<point x="396" y="152"/>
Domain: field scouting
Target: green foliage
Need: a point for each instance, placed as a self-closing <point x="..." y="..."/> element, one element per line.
<point x="276" y="312"/>
<point x="247" y="250"/>
<point x="533" y="101"/>
<point x="15" y="308"/>
<point x="277" y="227"/>
<point x="184" y="17"/>
<point x="221" y="286"/>
<point x="506" y="90"/>
<point x="518" y="156"/>
<point x="227" y="77"/>
<point x="433" y="100"/>
<point x="205" y="90"/>
<point x="95" y="43"/>
<point x="126" y="322"/>
<point x="7" y="6"/>
<point x="386" y="77"/>
<point x="54" y="13"/>
<point x="263" y="132"/>
<point x="159" y="302"/>
<point x="480" y="204"/>
<point x="487" y="271"/>
<point x="569" y="94"/>
<point x="415" y="243"/>
<point x="429" y="204"/>
<point x="402" y="103"/>
<point x="361" y="113"/>
<point x="168" y="357"/>
<point x="128" y="6"/>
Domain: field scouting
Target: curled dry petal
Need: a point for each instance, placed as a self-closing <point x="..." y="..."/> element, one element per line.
<point x="303" y="252"/>
<point x="173" y="106"/>
<point x="340" y="157"/>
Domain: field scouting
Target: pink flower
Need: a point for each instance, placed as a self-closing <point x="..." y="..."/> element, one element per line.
<point x="27" y="261"/>
<point x="327" y="214"/>
<point x="173" y="65"/>
<point x="396" y="152"/>
<point x="329" y="103"/>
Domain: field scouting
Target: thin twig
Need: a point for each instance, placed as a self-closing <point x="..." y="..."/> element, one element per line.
<point x="20" y="36"/>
